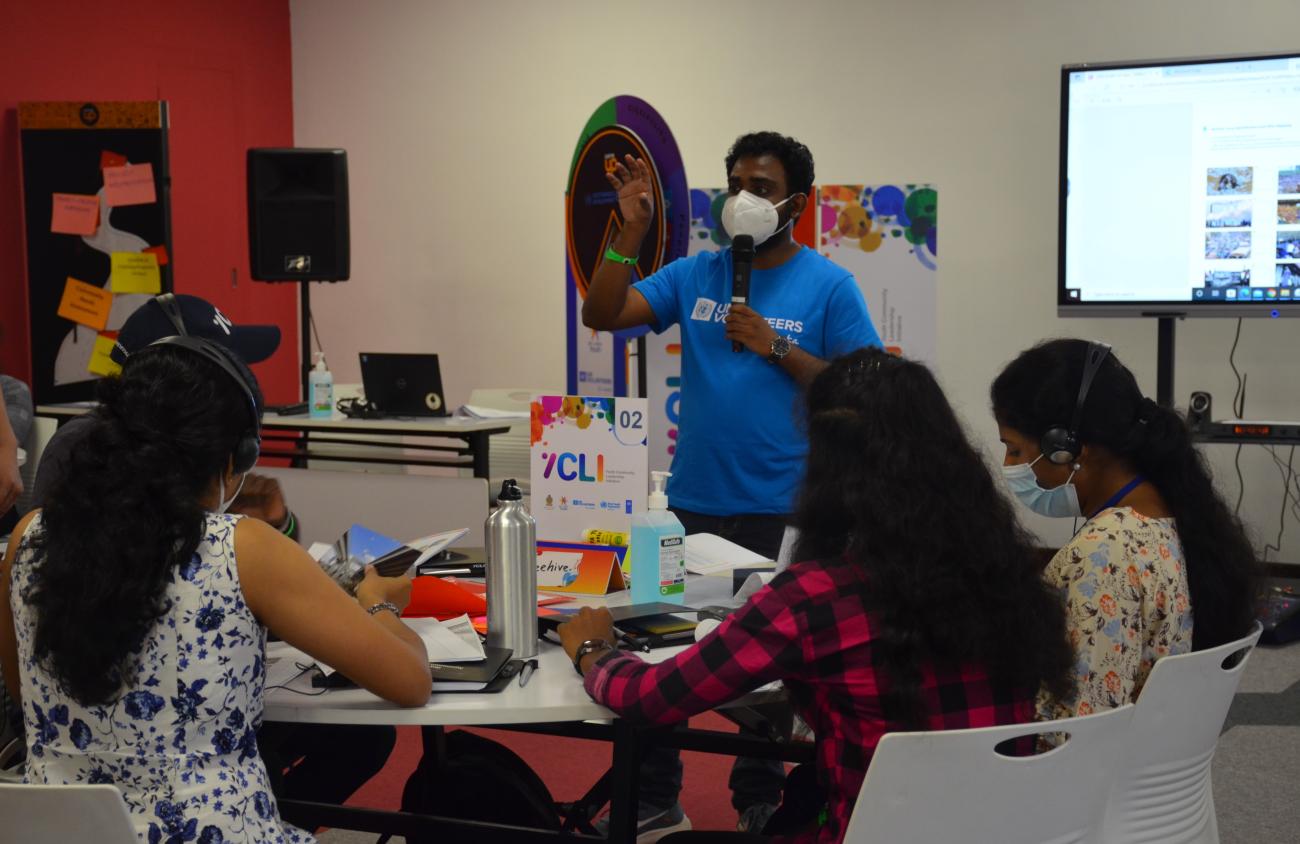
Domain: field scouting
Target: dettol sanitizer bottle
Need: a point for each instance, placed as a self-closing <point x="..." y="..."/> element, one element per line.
<point x="321" y="386"/>
<point x="658" y="550"/>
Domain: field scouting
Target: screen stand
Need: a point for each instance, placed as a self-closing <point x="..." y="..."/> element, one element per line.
<point x="1165" y="360"/>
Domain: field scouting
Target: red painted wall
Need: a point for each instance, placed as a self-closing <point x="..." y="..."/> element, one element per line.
<point x="225" y="69"/>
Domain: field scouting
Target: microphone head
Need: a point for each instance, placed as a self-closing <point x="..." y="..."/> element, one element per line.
<point x="742" y="245"/>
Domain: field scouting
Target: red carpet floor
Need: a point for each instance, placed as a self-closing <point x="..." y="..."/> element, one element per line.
<point x="569" y="767"/>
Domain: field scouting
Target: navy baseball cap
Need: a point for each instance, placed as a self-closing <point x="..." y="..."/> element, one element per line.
<point x="151" y="322"/>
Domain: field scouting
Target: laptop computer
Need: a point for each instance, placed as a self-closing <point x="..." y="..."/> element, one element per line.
<point x="403" y="384"/>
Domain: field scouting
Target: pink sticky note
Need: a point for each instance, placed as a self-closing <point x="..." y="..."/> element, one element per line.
<point x="75" y="214"/>
<point x="129" y="185"/>
<point x="160" y="251"/>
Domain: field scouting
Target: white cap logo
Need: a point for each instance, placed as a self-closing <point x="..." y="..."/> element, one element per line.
<point x="219" y="319"/>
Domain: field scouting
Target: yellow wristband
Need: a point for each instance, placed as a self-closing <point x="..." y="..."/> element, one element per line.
<point x="611" y="255"/>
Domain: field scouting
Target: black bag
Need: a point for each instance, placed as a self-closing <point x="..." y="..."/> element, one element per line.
<point x="480" y="780"/>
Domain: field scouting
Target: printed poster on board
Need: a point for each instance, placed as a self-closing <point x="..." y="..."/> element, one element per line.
<point x="588" y="465"/>
<point x="887" y="236"/>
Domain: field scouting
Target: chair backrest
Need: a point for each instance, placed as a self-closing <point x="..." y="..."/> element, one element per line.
<point x="401" y="506"/>
<point x="951" y="786"/>
<point x="1163" y="792"/>
<point x="58" y="814"/>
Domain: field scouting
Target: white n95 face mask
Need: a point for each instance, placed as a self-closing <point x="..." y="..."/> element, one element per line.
<point x="745" y="213"/>
<point x="1060" y="502"/>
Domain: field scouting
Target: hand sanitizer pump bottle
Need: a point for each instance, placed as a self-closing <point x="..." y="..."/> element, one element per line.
<point x="320" y="385"/>
<point x="658" y="550"/>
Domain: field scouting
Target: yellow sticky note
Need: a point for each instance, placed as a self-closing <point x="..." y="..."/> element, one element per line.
<point x="100" y="362"/>
<point x="85" y="304"/>
<point x="135" y="272"/>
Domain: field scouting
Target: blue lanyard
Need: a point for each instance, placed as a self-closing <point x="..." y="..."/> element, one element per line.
<point x="1119" y="496"/>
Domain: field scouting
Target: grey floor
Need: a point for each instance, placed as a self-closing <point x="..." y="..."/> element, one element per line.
<point x="1256" y="768"/>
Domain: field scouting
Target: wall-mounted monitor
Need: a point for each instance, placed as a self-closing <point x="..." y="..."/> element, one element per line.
<point x="1180" y="188"/>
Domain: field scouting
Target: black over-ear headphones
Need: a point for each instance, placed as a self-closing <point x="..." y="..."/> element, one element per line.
<point x="1061" y="444"/>
<point x="249" y="445"/>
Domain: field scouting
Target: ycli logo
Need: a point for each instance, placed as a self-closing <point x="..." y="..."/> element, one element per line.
<point x="575" y="467"/>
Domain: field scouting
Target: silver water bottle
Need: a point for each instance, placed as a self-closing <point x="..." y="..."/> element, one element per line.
<point x="510" y="539"/>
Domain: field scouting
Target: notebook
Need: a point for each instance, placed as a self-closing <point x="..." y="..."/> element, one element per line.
<point x="403" y="384"/>
<point x="469" y="676"/>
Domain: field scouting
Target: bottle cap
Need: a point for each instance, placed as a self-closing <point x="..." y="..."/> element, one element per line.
<point x="658" y="499"/>
<point x="320" y="362"/>
<point x="510" y="491"/>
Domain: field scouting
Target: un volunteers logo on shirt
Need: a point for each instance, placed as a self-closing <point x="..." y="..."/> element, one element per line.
<point x="704" y="309"/>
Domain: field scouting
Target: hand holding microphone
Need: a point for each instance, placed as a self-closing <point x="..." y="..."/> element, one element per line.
<point x="742" y="263"/>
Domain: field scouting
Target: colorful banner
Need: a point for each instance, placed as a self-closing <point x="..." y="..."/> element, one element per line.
<point x="597" y="361"/>
<point x="887" y="236"/>
<point x="588" y="465"/>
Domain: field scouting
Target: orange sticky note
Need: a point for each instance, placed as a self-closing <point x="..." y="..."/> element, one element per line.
<point x="108" y="158"/>
<point x="160" y="251"/>
<point x="131" y="184"/>
<point x="100" y="362"/>
<point x="135" y="272"/>
<point x="75" y="213"/>
<point x="85" y="304"/>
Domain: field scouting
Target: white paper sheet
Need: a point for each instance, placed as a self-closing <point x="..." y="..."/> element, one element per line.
<point x="451" y="641"/>
<point x="707" y="553"/>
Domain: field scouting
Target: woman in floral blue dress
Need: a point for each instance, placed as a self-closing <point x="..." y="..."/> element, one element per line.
<point x="134" y="611"/>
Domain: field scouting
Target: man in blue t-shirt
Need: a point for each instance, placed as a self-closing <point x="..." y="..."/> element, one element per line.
<point x="739" y="456"/>
<point x="740" y="453"/>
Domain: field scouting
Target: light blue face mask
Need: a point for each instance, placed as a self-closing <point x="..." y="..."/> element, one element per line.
<point x="1061" y="502"/>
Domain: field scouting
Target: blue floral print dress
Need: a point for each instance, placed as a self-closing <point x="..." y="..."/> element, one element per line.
<point x="1124" y="579"/>
<point x="180" y="741"/>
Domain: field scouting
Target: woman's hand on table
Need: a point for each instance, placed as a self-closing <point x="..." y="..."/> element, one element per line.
<point x="587" y="624"/>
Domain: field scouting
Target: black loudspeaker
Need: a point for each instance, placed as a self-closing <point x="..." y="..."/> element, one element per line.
<point x="1198" y="410"/>
<point x="298" y="215"/>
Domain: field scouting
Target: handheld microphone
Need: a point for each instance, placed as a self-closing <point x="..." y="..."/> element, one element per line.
<point x="742" y="262"/>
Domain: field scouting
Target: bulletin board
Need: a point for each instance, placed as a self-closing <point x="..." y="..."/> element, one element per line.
<point x="98" y="222"/>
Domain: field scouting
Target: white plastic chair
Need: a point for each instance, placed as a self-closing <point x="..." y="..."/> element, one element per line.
<point x="952" y="787"/>
<point x="1163" y="793"/>
<point x="59" y="814"/>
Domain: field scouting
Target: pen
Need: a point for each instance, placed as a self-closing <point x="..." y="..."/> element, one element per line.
<point x="629" y="639"/>
<point x="524" y="676"/>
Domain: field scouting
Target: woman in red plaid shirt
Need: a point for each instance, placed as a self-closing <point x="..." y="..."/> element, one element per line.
<point x="917" y="605"/>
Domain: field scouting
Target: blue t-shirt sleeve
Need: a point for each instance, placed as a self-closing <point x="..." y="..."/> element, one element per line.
<point x="848" y="325"/>
<point x="660" y="291"/>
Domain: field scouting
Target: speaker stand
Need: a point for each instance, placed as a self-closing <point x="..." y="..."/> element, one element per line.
<point x="305" y="307"/>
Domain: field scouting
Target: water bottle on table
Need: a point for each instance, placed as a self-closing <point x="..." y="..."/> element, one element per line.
<point x="510" y="537"/>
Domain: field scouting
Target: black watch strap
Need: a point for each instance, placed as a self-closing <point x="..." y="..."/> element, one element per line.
<point x="590" y="646"/>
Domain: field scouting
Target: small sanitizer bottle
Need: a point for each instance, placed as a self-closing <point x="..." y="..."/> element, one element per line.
<point x="658" y="550"/>
<point x="321" y="385"/>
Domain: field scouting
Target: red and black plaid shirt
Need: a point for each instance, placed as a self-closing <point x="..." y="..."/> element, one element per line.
<point x="810" y="627"/>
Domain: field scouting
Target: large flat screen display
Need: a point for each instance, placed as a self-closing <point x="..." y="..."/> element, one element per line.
<point x="1180" y="188"/>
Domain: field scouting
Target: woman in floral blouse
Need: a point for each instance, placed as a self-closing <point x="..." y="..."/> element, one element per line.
<point x="1161" y="565"/>
<point x="134" y="610"/>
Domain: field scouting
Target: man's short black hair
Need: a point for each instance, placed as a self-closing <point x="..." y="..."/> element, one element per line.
<point x="794" y="157"/>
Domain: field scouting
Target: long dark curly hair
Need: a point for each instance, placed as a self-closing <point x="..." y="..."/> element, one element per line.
<point x="1039" y="390"/>
<point x="125" y="511"/>
<point x="894" y="486"/>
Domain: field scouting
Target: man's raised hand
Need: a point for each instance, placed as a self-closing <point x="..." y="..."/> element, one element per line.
<point x="635" y="188"/>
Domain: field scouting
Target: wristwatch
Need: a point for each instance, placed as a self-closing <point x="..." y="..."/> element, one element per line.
<point x="590" y="646"/>
<point x="780" y="348"/>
